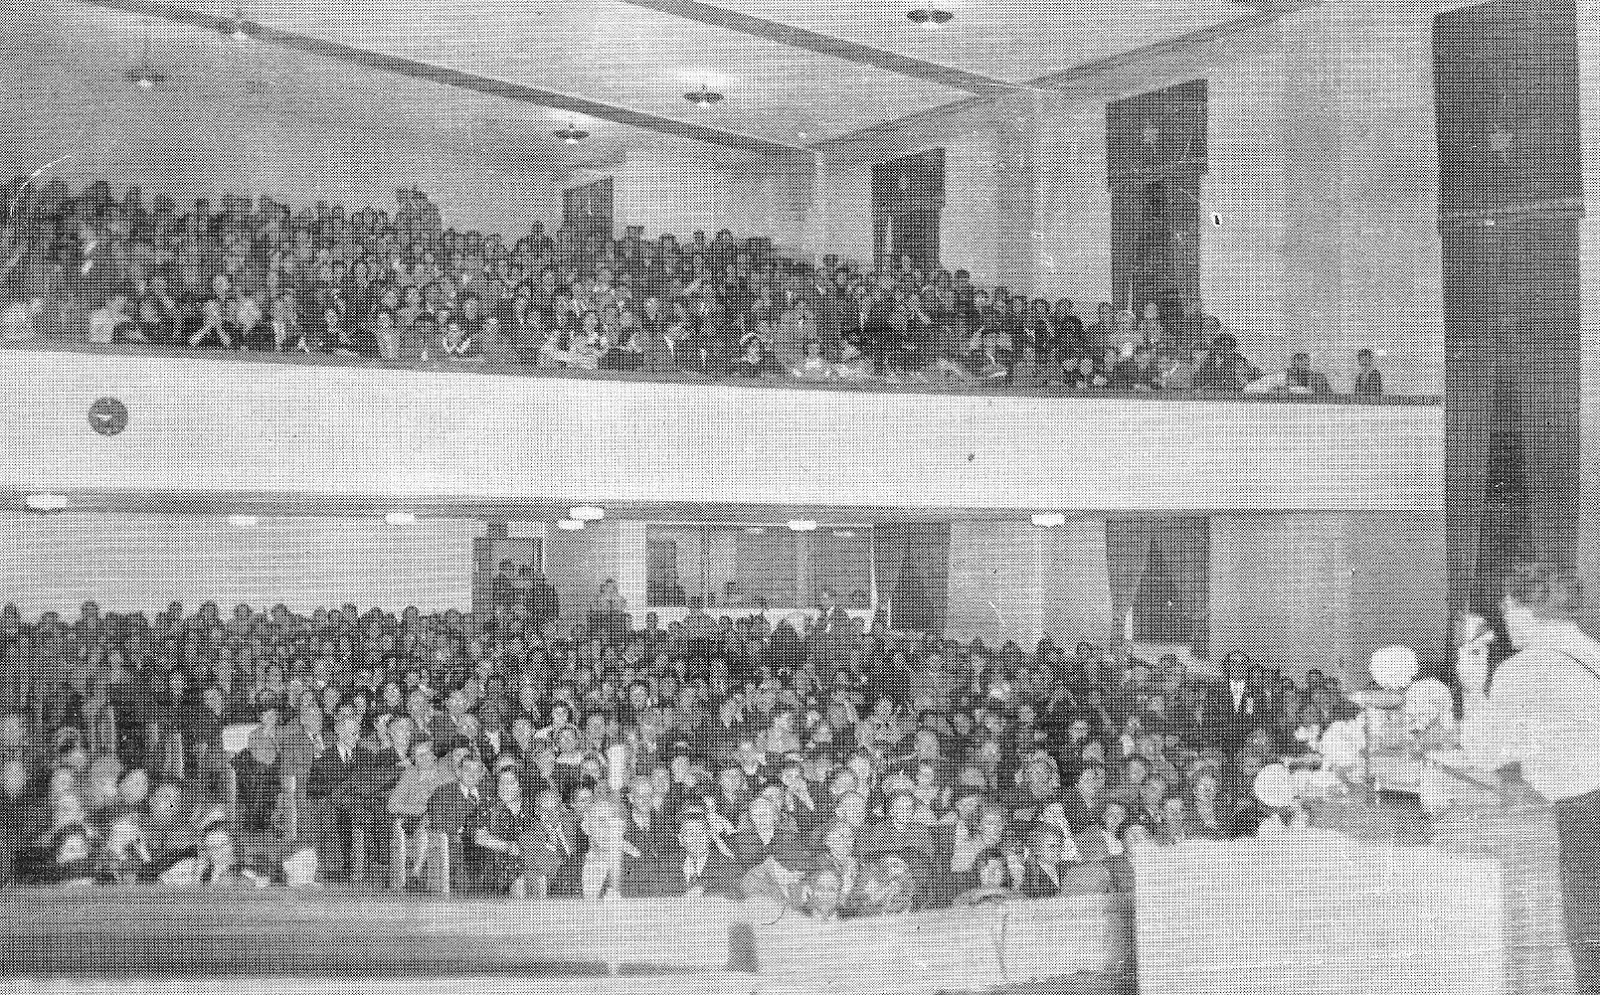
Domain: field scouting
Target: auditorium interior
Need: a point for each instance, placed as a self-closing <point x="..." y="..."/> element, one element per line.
<point x="729" y="496"/>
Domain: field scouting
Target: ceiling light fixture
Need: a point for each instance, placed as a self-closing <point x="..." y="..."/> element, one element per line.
<point x="570" y="525"/>
<point x="586" y="513"/>
<point x="236" y="27"/>
<point x="571" y="134"/>
<point x="929" y="18"/>
<point x="145" y="76"/>
<point x="400" y="518"/>
<point x="802" y="525"/>
<point x="1049" y="519"/>
<point x="46" y="502"/>
<point x="243" y="521"/>
<point x="703" y="97"/>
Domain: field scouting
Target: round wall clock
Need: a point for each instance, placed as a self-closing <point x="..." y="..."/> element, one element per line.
<point x="108" y="416"/>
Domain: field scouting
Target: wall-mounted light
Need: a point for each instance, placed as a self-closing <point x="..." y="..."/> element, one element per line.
<point x="46" y="502"/>
<point x="570" y="525"/>
<point x="1049" y="519"/>
<point x="400" y="518"/>
<point x="802" y="525"/>
<point x="244" y="521"/>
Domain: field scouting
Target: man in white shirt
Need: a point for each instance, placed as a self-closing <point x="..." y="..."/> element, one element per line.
<point x="1543" y="713"/>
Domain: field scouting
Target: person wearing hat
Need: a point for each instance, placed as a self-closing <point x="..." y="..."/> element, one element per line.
<point x="1538" y="712"/>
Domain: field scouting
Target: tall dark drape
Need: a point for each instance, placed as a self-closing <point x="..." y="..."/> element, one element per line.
<point x="911" y="568"/>
<point x="1156" y="152"/>
<point x="1127" y="555"/>
<point x="1510" y="195"/>
<point x="907" y="202"/>
<point x="1160" y="568"/>
<point x="589" y="210"/>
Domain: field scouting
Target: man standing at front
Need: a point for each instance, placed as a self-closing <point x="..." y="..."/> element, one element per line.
<point x="1541" y="713"/>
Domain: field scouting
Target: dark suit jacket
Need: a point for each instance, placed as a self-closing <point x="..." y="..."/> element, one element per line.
<point x="450" y="812"/>
<point x="330" y="773"/>
<point x="748" y="850"/>
<point x="1036" y="884"/>
<point x="1228" y="726"/>
<point x="662" y="875"/>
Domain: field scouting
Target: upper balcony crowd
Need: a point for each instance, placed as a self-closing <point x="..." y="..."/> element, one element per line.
<point x="255" y="276"/>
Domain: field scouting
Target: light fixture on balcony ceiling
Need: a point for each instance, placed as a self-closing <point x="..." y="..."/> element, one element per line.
<point x="570" y="525"/>
<point x="244" y="521"/>
<point x="802" y="525"/>
<point x="929" y="17"/>
<point x="46" y="503"/>
<point x="237" y="27"/>
<point x="571" y="134"/>
<point x="400" y="518"/>
<point x="703" y="97"/>
<point x="144" y="75"/>
<point x="1049" y="519"/>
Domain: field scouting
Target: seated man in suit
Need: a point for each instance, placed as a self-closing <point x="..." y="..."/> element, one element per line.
<point x="693" y="867"/>
<point x="335" y="810"/>
<point x="456" y="811"/>
<point x="770" y="858"/>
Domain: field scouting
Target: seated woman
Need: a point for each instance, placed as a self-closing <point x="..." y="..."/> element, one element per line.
<point x="71" y="858"/>
<point x="887" y="886"/>
<point x="813" y="365"/>
<point x="986" y="359"/>
<point x="125" y="857"/>
<point x="754" y="361"/>
<point x="1047" y="873"/>
<point x="506" y="837"/>
<point x="214" y="863"/>
<point x="994" y="881"/>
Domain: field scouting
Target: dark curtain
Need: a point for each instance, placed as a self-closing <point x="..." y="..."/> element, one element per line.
<point x="588" y="210"/>
<point x="1510" y="195"/>
<point x="911" y="567"/>
<point x="907" y="201"/>
<point x="1161" y="569"/>
<point x="1127" y="555"/>
<point x="1156" y="152"/>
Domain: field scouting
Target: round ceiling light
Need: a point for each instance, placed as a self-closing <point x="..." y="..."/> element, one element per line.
<point x="571" y="134"/>
<point x="929" y="18"/>
<point x="570" y="525"/>
<point x="802" y="525"/>
<point x="236" y="27"/>
<point x="46" y="502"/>
<point x="146" y="78"/>
<point x="703" y="97"/>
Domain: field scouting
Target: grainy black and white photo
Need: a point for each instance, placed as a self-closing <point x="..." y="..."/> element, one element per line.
<point x="730" y="497"/>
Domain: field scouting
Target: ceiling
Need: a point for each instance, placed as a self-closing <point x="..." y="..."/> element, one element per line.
<point x="509" y="71"/>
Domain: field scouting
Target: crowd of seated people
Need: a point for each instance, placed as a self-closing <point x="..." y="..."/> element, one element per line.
<point x="836" y="771"/>
<point x="257" y="277"/>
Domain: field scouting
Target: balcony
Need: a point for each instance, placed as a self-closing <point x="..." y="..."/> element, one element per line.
<point x="327" y="434"/>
